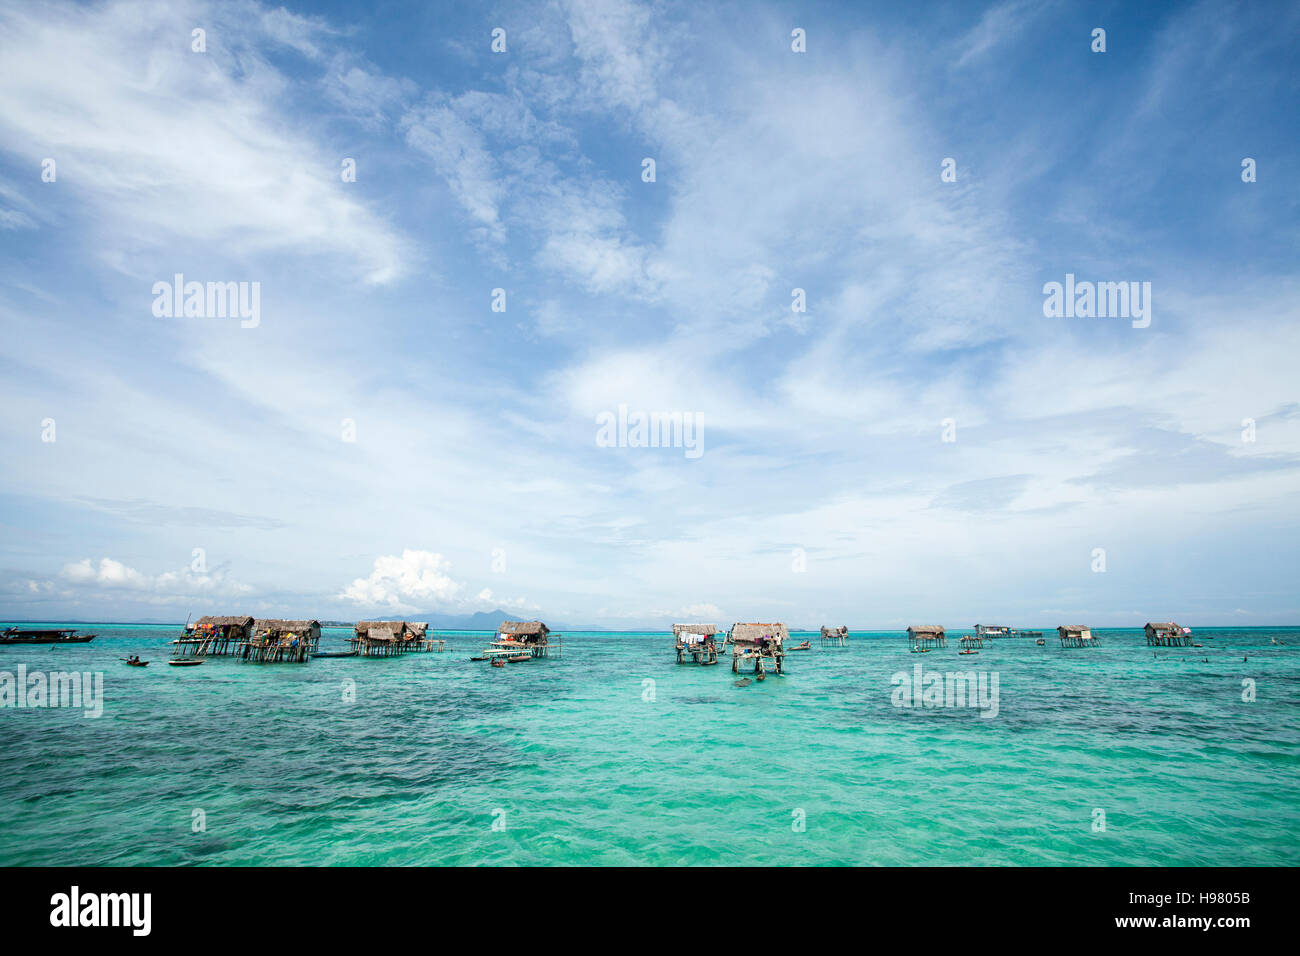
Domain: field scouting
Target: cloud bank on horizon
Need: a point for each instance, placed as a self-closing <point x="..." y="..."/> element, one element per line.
<point x="625" y="312"/>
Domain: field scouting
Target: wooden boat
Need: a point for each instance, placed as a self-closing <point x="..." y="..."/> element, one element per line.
<point x="185" y="661"/>
<point x="1040" y="642"/>
<point x="136" y="663"/>
<point x="498" y="662"/>
<point x="519" y="658"/>
<point x="336" y="654"/>
<point x="478" y="658"/>
<point x="968" y="652"/>
<point x="805" y="646"/>
<point x="14" y="635"/>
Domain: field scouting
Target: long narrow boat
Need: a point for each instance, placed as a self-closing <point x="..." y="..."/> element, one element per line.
<point x="185" y="661"/>
<point x="335" y="654"/>
<point x="14" y="635"/>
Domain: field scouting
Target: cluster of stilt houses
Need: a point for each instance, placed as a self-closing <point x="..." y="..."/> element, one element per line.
<point x="282" y="641"/>
<point x="266" y="640"/>
<point x="756" y="647"/>
<point x="923" y="637"/>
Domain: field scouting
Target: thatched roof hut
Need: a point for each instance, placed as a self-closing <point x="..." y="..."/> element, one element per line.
<point x="1076" y="635"/>
<point x="757" y="635"/>
<point x="694" y="633"/>
<point x="378" y="631"/>
<point x="233" y="625"/>
<point x="276" y="629"/>
<point x="390" y="630"/>
<point x="391" y="638"/>
<point x="757" y="643"/>
<point x="926" y="630"/>
<point x="925" y="636"/>
<point x="524" y="632"/>
<point x="697" y="642"/>
<point x="1167" y="634"/>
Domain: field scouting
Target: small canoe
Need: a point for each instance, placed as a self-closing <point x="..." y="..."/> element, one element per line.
<point x="336" y="654"/>
<point x="968" y="652"/>
<point x="186" y="661"/>
<point x="498" y="662"/>
<point x="137" y="663"/>
<point x="519" y="658"/>
<point x="478" y="658"/>
<point x="1040" y="642"/>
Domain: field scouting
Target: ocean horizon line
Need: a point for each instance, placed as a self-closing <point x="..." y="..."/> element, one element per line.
<point x="640" y="630"/>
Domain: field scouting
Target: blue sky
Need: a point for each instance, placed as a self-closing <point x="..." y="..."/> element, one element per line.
<point x="200" y="466"/>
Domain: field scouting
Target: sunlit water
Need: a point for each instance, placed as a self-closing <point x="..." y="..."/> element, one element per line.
<point x="581" y="761"/>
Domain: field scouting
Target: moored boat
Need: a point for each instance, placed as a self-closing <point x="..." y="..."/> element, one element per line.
<point x="185" y="661"/>
<point x="15" y="635"/>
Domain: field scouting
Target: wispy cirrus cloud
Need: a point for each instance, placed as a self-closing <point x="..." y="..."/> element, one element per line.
<point x="175" y="145"/>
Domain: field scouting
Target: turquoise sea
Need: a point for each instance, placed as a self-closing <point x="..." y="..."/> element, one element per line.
<point x="614" y="754"/>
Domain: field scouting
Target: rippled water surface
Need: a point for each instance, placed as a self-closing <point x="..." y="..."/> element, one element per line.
<point x="585" y="762"/>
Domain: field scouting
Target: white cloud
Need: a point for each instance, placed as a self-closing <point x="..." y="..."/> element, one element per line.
<point x="173" y="145"/>
<point x="109" y="574"/>
<point x="398" y="580"/>
<point x="998" y="25"/>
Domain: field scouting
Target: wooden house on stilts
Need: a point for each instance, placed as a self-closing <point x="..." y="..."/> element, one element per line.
<point x="987" y="632"/>
<point x="835" y="636"/>
<point x="761" y="645"/>
<point x="1077" y="635"/>
<point x="279" y="641"/>
<point x="515" y="640"/>
<point x="925" y="636"/>
<point x="1167" y="634"/>
<point x="696" y="643"/>
<point x="393" y="638"/>
<point x="214" y="636"/>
